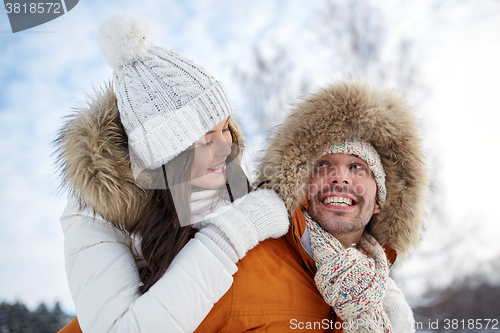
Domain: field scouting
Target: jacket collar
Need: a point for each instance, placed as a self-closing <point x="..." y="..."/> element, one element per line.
<point x="294" y="235"/>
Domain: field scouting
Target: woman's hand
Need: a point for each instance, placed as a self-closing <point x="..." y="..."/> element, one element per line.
<point x="251" y="219"/>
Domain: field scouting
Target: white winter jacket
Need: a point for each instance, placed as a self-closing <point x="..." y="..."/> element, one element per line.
<point x="104" y="279"/>
<point x="92" y="154"/>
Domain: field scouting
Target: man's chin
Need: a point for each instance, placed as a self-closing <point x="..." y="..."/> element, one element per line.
<point x="335" y="222"/>
<point x="328" y="212"/>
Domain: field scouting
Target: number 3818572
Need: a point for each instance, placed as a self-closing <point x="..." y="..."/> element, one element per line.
<point x="33" y="8"/>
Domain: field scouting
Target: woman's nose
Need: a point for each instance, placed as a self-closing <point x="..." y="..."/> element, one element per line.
<point x="221" y="147"/>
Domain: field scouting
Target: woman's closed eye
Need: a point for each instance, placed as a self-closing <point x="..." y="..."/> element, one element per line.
<point x="205" y="143"/>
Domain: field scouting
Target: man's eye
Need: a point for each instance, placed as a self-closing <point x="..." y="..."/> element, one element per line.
<point x="357" y="167"/>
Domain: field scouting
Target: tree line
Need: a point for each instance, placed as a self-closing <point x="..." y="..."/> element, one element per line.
<point x="17" y="318"/>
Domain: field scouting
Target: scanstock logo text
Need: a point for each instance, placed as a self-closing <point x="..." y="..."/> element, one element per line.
<point x="28" y="14"/>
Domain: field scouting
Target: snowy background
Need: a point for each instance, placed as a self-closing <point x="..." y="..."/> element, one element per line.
<point x="443" y="54"/>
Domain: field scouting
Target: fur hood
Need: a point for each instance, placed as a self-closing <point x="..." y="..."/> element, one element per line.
<point x="94" y="162"/>
<point x="360" y="110"/>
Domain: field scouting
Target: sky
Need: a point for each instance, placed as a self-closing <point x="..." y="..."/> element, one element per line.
<point x="45" y="71"/>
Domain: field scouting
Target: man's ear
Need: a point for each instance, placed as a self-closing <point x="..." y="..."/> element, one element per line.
<point x="376" y="208"/>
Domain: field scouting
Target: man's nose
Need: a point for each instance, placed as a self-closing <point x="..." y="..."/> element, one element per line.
<point x="340" y="176"/>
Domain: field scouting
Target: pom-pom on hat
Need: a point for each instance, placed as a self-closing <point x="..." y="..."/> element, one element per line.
<point x="166" y="101"/>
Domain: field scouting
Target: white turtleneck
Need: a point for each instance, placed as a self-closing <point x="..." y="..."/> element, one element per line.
<point x="203" y="203"/>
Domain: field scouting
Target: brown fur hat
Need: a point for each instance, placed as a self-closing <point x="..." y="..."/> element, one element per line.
<point x="94" y="162"/>
<point x="359" y="110"/>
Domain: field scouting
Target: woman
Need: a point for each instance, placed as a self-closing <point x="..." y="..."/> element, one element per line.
<point x="133" y="158"/>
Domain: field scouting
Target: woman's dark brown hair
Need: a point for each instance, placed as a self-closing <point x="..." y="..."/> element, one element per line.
<point x="163" y="236"/>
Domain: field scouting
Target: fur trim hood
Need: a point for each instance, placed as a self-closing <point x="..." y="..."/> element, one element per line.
<point x="94" y="162"/>
<point x="360" y="110"/>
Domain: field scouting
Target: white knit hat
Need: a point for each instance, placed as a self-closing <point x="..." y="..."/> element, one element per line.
<point x="166" y="101"/>
<point x="365" y="151"/>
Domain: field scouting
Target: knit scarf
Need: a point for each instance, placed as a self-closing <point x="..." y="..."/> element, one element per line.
<point x="351" y="280"/>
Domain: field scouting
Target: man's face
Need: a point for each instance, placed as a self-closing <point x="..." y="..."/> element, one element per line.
<point x="342" y="194"/>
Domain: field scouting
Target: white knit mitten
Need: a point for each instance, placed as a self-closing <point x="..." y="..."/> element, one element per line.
<point x="221" y="240"/>
<point x="397" y="308"/>
<point x="251" y="219"/>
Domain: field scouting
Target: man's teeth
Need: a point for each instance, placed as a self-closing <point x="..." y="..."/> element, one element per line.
<point x="218" y="166"/>
<point x="338" y="201"/>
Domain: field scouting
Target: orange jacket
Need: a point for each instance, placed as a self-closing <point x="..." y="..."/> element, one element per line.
<point x="72" y="327"/>
<point x="273" y="291"/>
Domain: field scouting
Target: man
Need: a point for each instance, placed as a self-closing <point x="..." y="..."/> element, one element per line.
<point x="347" y="162"/>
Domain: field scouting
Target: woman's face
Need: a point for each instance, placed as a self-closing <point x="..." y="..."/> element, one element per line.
<point x="210" y="152"/>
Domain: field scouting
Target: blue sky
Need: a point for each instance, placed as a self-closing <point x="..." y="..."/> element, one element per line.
<point x="46" y="70"/>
